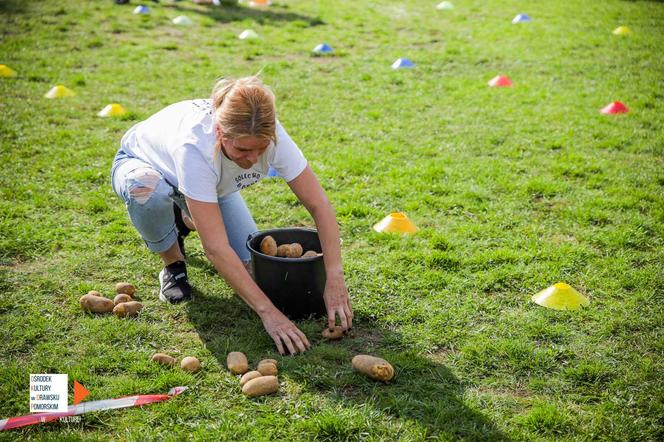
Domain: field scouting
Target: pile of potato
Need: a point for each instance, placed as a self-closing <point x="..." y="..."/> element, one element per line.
<point x="189" y="364"/>
<point x="259" y="382"/>
<point x="264" y="381"/>
<point x="269" y="247"/>
<point x="122" y="305"/>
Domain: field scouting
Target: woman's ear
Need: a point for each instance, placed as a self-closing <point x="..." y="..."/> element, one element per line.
<point x="217" y="131"/>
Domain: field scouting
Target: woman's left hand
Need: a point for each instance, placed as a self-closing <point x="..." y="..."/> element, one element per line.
<point x="337" y="303"/>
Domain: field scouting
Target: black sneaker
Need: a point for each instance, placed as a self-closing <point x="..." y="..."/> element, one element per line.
<point x="174" y="283"/>
<point x="183" y="230"/>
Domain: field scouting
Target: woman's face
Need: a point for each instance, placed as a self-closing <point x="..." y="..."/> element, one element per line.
<point x="244" y="151"/>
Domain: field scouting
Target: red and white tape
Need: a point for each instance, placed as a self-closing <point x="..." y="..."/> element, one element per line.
<point x="87" y="407"/>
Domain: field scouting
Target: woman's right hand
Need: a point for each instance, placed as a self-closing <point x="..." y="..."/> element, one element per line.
<point x="283" y="331"/>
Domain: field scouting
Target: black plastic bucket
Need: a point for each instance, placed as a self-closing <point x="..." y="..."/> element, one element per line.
<point x="294" y="285"/>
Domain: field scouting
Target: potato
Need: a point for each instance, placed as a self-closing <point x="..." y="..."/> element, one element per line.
<point x="249" y="376"/>
<point x="122" y="297"/>
<point x="237" y="362"/>
<point x="96" y="304"/>
<point x="269" y="246"/>
<point x="284" y="250"/>
<point x="309" y="254"/>
<point x="334" y="334"/>
<point x="130" y="308"/>
<point x="295" y="250"/>
<point x="261" y="386"/>
<point x="95" y="293"/>
<point x="190" y="364"/>
<point x="125" y="287"/>
<point x="273" y="361"/>
<point x="375" y="368"/>
<point x="164" y="359"/>
<point x="267" y="369"/>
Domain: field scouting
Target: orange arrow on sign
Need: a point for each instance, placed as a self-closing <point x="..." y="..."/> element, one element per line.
<point x="80" y="392"/>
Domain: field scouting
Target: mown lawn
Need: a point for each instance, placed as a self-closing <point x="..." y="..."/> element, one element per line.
<point x="513" y="189"/>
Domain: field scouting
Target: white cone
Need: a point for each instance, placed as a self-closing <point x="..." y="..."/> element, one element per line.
<point x="247" y="34"/>
<point x="182" y="20"/>
<point x="445" y="6"/>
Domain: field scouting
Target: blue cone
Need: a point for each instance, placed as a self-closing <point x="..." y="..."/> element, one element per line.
<point x="322" y="48"/>
<point x="141" y="9"/>
<point x="402" y="63"/>
<point x="521" y="18"/>
<point x="272" y="172"/>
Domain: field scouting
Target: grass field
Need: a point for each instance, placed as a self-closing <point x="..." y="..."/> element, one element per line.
<point x="513" y="189"/>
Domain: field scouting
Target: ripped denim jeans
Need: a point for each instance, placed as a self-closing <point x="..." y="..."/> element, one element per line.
<point x="149" y="199"/>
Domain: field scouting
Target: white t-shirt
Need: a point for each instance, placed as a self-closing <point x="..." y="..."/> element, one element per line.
<point x="179" y="141"/>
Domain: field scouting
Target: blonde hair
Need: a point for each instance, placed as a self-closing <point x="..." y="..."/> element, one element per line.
<point x="244" y="107"/>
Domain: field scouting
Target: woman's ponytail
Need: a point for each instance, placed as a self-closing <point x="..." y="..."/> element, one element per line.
<point x="220" y="90"/>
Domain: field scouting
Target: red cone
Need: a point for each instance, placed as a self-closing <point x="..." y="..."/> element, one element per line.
<point x="614" y="108"/>
<point x="500" y="81"/>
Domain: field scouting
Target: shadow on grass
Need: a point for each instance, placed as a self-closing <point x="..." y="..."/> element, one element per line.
<point x="13" y="6"/>
<point x="232" y="12"/>
<point x="423" y="391"/>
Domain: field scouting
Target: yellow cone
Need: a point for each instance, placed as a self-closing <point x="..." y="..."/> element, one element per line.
<point x="112" y="110"/>
<point x="621" y="30"/>
<point x="59" y="91"/>
<point x="6" y="71"/>
<point x="396" y="222"/>
<point x="561" y="296"/>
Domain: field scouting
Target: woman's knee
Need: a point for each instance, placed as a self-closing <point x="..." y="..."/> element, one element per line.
<point x="147" y="185"/>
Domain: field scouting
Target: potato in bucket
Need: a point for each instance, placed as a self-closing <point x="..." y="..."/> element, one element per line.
<point x="295" y="286"/>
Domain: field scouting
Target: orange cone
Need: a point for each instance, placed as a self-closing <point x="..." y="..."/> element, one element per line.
<point x="80" y="392"/>
<point x="500" y="81"/>
<point x="260" y="3"/>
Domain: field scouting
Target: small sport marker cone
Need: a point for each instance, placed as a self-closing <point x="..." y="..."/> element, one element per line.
<point x="322" y="48"/>
<point x="395" y="222"/>
<point x="260" y="3"/>
<point x="112" y="110"/>
<point x="521" y="18"/>
<point x="621" y="30"/>
<point x="141" y="9"/>
<point x="6" y="71"/>
<point x="560" y="296"/>
<point x="59" y="91"/>
<point x="247" y="34"/>
<point x="80" y="392"/>
<point x="401" y="63"/>
<point x="500" y="81"/>
<point x="182" y="20"/>
<point x="614" y="108"/>
<point x="445" y="6"/>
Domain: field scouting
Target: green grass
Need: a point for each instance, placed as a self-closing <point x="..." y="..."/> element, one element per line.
<point x="513" y="189"/>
